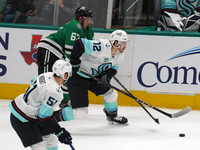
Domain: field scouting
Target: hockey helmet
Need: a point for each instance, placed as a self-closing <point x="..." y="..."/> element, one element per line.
<point x="118" y="35"/>
<point x="60" y="67"/>
<point x="83" y="12"/>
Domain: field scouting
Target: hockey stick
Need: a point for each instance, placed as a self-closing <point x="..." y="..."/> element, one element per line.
<point x="175" y="115"/>
<point x="155" y="119"/>
<point x="72" y="147"/>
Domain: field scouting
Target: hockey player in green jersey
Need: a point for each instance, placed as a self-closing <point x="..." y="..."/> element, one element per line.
<point x="59" y="45"/>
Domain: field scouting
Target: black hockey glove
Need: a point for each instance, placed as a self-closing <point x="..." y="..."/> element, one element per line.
<point x="106" y="77"/>
<point x="104" y="81"/>
<point x="64" y="136"/>
<point x="75" y="65"/>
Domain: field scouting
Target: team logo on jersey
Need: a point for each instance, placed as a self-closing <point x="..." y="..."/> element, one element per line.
<point x="107" y="45"/>
<point x="94" y="71"/>
<point x="78" y="26"/>
<point x="31" y="56"/>
<point x="105" y="60"/>
<point x="101" y="68"/>
<point x="58" y="89"/>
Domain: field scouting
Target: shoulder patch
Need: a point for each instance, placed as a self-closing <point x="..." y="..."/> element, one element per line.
<point x="78" y="26"/>
<point x="42" y="80"/>
<point x="108" y="45"/>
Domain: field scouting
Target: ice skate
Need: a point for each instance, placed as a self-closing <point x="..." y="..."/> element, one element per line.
<point x="116" y="120"/>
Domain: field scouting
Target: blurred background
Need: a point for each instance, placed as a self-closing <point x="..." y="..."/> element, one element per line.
<point x="108" y="14"/>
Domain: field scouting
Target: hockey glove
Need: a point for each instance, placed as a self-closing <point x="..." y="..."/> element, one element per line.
<point x="105" y="78"/>
<point x="64" y="136"/>
<point x="103" y="82"/>
<point x="75" y="66"/>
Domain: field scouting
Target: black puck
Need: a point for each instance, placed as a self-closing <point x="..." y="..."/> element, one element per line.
<point x="182" y="135"/>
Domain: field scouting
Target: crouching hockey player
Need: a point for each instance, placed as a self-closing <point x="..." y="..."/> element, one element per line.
<point x="179" y="15"/>
<point x="31" y="112"/>
<point x="100" y="58"/>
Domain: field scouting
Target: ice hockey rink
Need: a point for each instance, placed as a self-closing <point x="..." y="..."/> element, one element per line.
<point x="142" y="133"/>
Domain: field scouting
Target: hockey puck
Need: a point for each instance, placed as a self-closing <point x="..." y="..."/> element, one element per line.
<point x="181" y="135"/>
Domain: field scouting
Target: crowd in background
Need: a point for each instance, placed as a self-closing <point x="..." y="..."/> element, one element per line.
<point x="175" y="15"/>
<point x="42" y="11"/>
<point x="36" y="11"/>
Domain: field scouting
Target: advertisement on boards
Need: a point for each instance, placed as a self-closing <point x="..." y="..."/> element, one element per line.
<point x="166" y="64"/>
<point x="18" y="57"/>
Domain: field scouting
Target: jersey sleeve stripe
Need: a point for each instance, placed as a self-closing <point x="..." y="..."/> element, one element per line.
<point x="53" y="48"/>
<point x="68" y="47"/>
<point x="88" y="45"/>
<point x="18" y="113"/>
<point x="45" y="111"/>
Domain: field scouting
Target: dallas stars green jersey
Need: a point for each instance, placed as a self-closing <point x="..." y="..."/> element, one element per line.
<point x="62" y="41"/>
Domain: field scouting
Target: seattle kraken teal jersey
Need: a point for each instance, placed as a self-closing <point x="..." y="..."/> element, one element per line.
<point x="183" y="7"/>
<point x="39" y="101"/>
<point x="97" y="57"/>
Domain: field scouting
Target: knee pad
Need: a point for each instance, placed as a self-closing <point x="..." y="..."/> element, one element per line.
<point x="51" y="141"/>
<point x="39" y="146"/>
<point x="110" y="96"/>
<point x="80" y="113"/>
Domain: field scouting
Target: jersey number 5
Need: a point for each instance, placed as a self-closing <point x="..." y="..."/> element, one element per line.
<point x="51" y="101"/>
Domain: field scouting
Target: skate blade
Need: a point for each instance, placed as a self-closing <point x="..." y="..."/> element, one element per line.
<point x="115" y="123"/>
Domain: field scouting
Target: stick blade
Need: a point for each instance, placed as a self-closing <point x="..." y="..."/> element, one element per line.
<point x="157" y="121"/>
<point x="182" y="112"/>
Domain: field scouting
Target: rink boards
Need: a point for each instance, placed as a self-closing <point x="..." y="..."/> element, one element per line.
<point x="161" y="69"/>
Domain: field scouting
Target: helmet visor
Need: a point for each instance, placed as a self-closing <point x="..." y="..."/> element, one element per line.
<point x="88" y="19"/>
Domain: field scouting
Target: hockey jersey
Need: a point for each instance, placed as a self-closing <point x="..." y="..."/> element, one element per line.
<point x="39" y="101"/>
<point x="184" y="7"/>
<point x="62" y="42"/>
<point x="97" y="57"/>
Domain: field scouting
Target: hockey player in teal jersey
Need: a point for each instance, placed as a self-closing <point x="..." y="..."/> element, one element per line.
<point x="31" y="112"/>
<point x="59" y="45"/>
<point x="179" y="15"/>
<point x="100" y="58"/>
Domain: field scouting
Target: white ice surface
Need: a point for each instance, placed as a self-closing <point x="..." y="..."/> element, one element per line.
<point x="142" y="133"/>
